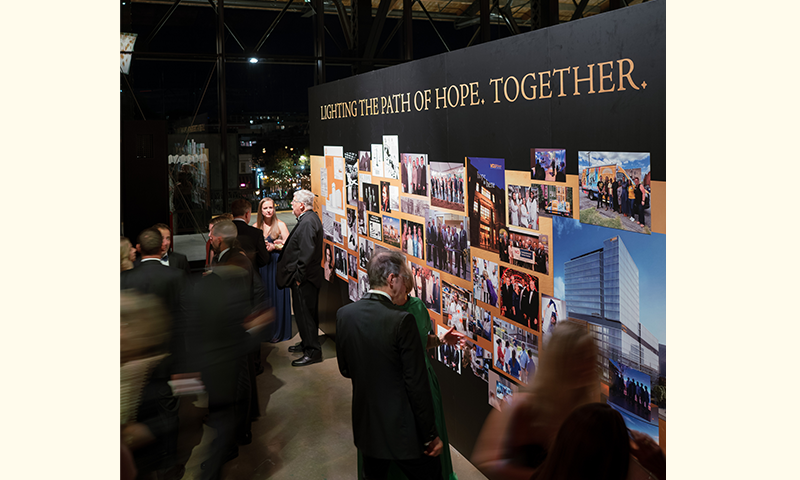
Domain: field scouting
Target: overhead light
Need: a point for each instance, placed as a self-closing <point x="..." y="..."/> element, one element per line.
<point x="253" y="60"/>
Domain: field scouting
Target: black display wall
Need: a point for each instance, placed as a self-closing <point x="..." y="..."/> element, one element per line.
<point x="596" y="84"/>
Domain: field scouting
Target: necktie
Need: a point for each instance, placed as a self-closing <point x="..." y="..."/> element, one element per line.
<point x="165" y="260"/>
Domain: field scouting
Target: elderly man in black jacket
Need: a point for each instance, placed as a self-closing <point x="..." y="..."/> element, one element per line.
<point x="379" y="349"/>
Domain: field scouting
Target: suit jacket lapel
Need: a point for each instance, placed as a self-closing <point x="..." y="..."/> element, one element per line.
<point x="286" y="243"/>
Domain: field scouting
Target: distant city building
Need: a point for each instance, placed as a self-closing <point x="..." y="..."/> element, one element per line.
<point x="602" y="289"/>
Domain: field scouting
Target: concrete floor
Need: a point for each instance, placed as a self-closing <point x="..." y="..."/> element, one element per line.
<point x="305" y="430"/>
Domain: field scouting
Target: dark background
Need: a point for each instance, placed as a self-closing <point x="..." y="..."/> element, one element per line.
<point x="627" y="121"/>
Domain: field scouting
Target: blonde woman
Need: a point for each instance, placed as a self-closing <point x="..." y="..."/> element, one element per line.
<point x="514" y="442"/>
<point x="127" y="254"/>
<point x="275" y="234"/>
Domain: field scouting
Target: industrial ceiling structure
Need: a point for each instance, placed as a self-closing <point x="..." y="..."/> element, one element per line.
<point x="360" y="33"/>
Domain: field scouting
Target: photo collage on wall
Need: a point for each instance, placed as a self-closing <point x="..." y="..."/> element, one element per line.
<point x="478" y="240"/>
<point x="513" y="220"/>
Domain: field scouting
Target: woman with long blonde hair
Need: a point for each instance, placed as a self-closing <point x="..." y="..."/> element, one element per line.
<point x="275" y="234"/>
<point x="127" y="254"/>
<point x="514" y="442"/>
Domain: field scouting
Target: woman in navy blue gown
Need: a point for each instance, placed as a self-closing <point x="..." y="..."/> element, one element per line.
<point x="275" y="233"/>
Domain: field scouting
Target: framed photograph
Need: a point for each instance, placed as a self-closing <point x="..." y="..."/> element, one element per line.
<point x="340" y="262"/>
<point x="352" y="229"/>
<point x="523" y="206"/>
<point x="365" y="161"/>
<point x="448" y="247"/>
<point x="485" y="278"/>
<point x="487" y="201"/>
<point x="371" y="195"/>
<point x="554" y="310"/>
<point x="375" y="227"/>
<point x="391" y="157"/>
<point x="412" y="240"/>
<point x="385" y="204"/>
<point x="519" y="297"/>
<point x="447" y="185"/>
<point x="427" y="286"/>
<point x="414" y="173"/>
<point x="456" y="307"/>
<point x="615" y="190"/>
<point x="525" y="250"/>
<point x="391" y="231"/>
<point x="549" y="164"/>
<point x="377" y="159"/>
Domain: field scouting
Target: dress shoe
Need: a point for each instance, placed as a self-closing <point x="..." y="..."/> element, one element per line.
<point x="296" y="348"/>
<point x="306" y="360"/>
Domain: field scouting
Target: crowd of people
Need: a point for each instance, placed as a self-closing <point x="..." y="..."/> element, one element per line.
<point x="447" y="248"/>
<point x="184" y="334"/>
<point x="181" y="335"/>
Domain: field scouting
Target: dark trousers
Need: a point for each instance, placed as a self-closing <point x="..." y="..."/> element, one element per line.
<point x="223" y="384"/>
<point x="305" y="299"/>
<point x="423" y="468"/>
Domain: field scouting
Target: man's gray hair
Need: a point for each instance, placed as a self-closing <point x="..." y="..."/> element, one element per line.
<point x="227" y="231"/>
<point x="382" y="265"/>
<point x="305" y="197"/>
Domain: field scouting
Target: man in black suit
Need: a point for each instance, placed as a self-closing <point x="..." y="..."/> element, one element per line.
<point x="159" y="408"/>
<point x="171" y="259"/>
<point x="530" y="306"/>
<point x="462" y="246"/>
<point x="299" y="267"/>
<point x="227" y="331"/>
<point x="151" y="276"/>
<point x="378" y="348"/>
<point x="250" y="238"/>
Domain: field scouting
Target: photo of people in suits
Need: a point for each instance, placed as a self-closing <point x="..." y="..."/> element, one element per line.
<point x="427" y="287"/>
<point x="370" y="193"/>
<point x="448" y="354"/>
<point x="519" y="297"/>
<point x="448" y="243"/>
<point x="447" y="185"/>
<point x="549" y="164"/>
<point x="414" y="173"/>
<point x="340" y="262"/>
<point x="525" y="250"/>
<point x="630" y="389"/>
